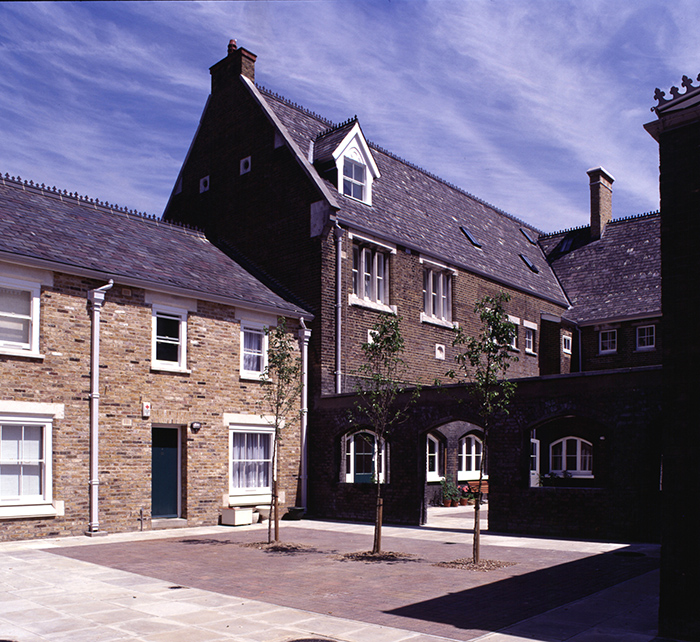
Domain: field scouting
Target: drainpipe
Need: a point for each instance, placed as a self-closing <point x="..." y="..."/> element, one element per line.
<point x="338" y="306"/>
<point x="96" y="299"/>
<point x="304" y="336"/>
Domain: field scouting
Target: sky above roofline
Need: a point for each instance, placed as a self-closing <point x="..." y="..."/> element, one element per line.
<point x="511" y="100"/>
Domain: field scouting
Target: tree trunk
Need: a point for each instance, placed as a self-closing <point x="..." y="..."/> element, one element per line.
<point x="377" y="547"/>
<point x="476" y="554"/>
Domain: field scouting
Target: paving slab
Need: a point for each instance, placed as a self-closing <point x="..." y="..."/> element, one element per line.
<point x="203" y="584"/>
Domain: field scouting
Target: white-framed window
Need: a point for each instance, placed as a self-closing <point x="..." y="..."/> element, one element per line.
<point x="530" y="340"/>
<point x="437" y="294"/>
<point x="469" y="458"/>
<point x="370" y="274"/>
<point x="646" y="337"/>
<point x="566" y="343"/>
<point x="514" y="338"/>
<point x="365" y="458"/>
<point x="250" y="463"/>
<point x="433" y="459"/>
<point x="535" y="462"/>
<point x="20" y="303"/>
<point x="608" y="341"/>
<point x="25" y="465"/>
<point x="169" y="343"/>
<point x="571" y="455"/>
<point x="354" y="179"/>
<point x="253" y="350"/>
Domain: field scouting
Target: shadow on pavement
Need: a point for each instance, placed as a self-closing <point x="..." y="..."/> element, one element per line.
<point x="494" y="606"/>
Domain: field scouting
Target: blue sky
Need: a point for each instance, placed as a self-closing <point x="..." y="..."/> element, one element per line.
<point x="511" y="100"/>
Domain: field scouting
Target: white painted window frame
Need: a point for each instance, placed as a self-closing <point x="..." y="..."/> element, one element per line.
<point x="19" y="413"/>
<point x="370" y="274"/>
<point x="433" y="455"/>
<point x="652" y="345"/>
<point x="578" y="472"/>
<point x="467" y="453"/>
<point x="260" y="329"/>
<point x="179" y="314"/>
<point x="378" y="457"/>
<point x="610" y="332"/>
<point x="31" y="348"/>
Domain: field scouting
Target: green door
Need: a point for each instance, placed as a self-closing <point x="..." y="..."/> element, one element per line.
<point x="164" y="472"/>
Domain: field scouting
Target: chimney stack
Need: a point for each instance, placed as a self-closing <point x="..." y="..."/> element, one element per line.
<point x="238" y="62"/>
<point x="601" y="200"/>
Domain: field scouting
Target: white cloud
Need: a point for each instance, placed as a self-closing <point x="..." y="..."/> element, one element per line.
<point x="510" y="100"/>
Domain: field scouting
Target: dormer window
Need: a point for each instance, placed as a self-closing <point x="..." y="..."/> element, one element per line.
<point x="342" y="155"/>
<point x="354" y="179"/>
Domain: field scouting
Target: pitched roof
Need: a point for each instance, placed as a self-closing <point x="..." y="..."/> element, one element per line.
<point x="66" y="232"/>
<point x="418" y="210"/>
<point x="615" y="277"/>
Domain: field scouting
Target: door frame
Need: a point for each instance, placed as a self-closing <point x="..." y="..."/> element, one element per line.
<point x="178" y="428"/>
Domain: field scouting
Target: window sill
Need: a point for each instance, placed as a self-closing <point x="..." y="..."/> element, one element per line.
<point x="372" y="305"/>
<point x="651" y="349"/>
<point x="606" y="352"/>
<point x="18" y="352"/>
<point x="443" y="323"/>
<point x="56" y="509"/>
<point x="162" y="367"/>
<point x="531" y="353"/>
<point x="251" y="376"/>
<point x="471" y="477"/>
<point x="250" y="498"/>
<point x="433" y="478"/>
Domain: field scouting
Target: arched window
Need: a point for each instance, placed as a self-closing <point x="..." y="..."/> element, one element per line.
<point x="471" y="452"/>
<point x="571" y="455"/>
<point x="434" y="466"/>
<point x="364" y="458"/>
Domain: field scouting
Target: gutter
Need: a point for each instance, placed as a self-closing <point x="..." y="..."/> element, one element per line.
<point x="154" y="286"/>
<point x="304" y="336"/>
<point x="96" y="298"/>
<point x="338" y="233"/>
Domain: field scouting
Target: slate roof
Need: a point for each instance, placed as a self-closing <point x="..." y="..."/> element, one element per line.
<point x="418" y="210"/>
<point x="615" y="277"/>
<point x="76" y="235"/>
<point x="326" y="142"/>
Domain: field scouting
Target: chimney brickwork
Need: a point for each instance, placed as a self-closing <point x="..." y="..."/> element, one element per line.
<point x="238" y="62"/>
<point x="601" y="200"/>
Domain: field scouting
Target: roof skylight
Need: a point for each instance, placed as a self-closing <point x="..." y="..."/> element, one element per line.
<point x="530" y="264"/>
<point x="526" y="234"/>
<point x="470" y="236"/>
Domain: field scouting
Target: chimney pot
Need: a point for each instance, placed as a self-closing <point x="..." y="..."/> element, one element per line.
<point x="231" y="46"/>
<point x="601" y="200"/>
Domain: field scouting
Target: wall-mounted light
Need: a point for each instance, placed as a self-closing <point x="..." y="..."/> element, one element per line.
<point x="195" y="427"/>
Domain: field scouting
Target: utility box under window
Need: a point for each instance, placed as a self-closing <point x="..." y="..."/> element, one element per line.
<point x="236" y="516"/>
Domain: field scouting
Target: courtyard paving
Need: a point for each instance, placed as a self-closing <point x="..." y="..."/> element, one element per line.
<point x="204" y="584"/>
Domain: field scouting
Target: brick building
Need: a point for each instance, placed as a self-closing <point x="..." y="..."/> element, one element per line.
<point x="352" y="230"/>
<point x="130" y="360"/>
<point x="677" y="130"/>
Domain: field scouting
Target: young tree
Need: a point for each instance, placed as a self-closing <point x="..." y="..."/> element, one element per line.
<point x="282" y="384"/>
<point x="482" y="365"/>
<point x="379" y="386"/>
